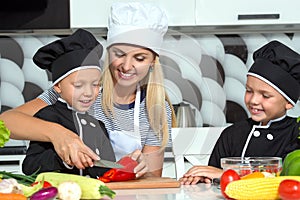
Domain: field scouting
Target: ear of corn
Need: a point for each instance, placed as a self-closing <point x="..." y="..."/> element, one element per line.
<point x="256" y="188"/>
<point x="91" y="188"/>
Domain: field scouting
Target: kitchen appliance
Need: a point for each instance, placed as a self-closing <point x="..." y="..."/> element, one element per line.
<point x="185" y="116"/>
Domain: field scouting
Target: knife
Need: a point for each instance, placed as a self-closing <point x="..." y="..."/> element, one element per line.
<point x="107" y="164"/>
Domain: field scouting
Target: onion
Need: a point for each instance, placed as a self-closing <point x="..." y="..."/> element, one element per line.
<point x="48" y="193"/>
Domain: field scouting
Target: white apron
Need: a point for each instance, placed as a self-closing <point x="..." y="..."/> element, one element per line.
<point x="125" y="142"/>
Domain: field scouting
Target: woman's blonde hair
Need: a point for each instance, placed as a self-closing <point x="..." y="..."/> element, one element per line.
<point x="155" y="98"/>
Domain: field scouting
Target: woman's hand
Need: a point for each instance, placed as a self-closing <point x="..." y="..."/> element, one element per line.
<point x="150" y="161"/>
<point x="72" y="150"/>
<point x="203" y="174"/>
<point x="141" y="169"/>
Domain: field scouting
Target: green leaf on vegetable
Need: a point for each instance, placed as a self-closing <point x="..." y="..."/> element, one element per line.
<point x="4" y="134"/>
<point x="30" y="190"/>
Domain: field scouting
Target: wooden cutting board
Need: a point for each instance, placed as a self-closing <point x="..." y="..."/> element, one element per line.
<point x="143" y="183"/>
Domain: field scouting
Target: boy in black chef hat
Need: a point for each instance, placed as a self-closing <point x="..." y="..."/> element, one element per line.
<point x="272" y="88"/>
<point x="75" y="65"/>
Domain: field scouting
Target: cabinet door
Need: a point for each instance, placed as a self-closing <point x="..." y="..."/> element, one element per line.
<point x="94" y="13"/>
<point x="89" y="13"/>
<point x="239" y="12"/>
<point x="179" y="12"/>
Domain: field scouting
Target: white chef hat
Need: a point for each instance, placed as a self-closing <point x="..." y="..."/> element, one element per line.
<point x="136" y="23"/>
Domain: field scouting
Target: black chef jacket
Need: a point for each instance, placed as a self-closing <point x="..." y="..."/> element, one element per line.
<point x="280" y="138"/>
<point x="42" y="156"/>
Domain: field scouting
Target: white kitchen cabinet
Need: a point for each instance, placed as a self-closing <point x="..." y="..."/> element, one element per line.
<point x="254" y="12"/>
<point x="94" y="13"/>
<point x="180" y="13"/>
<point x="89" y="13"/>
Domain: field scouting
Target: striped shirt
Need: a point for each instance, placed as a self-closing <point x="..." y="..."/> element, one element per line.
<point x="123" y="118"/>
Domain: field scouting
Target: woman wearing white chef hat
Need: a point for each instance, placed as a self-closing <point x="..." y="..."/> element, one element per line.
<point x="133" y="103"/>
<point x="137" y="113"/>
<point x="272" y="88"/>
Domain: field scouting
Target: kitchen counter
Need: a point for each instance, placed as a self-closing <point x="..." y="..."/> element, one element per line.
<point x="184" y="192"/>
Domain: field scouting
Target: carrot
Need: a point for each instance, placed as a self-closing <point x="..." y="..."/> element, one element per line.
<point x="11" y="196"/>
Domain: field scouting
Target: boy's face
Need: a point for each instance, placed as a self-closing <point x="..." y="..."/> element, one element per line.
<point x="80" y="88"/>
<point x="263" y="101"/>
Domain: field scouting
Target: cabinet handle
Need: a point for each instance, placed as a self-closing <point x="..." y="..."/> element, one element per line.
<point x="258" y="16"/>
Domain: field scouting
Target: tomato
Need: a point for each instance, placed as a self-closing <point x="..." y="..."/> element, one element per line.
<point x="289" y="189"/>
<point x="45" y="185"/>
<point x="227" y="177"/>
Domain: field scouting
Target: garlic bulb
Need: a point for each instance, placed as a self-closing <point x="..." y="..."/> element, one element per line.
<point x="10" y="185"/>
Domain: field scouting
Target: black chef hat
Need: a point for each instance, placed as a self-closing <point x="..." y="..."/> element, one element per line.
<point x="279" y="66"/>
<point x="64" y="56"/>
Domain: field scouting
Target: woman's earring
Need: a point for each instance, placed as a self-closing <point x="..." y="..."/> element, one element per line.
<point x="151" y="68"/>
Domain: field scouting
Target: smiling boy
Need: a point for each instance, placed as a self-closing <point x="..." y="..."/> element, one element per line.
<point x="272" y="88"/>
<point x="75" y="65"/>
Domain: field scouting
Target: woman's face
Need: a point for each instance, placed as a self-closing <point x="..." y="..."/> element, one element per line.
<point x="263" y="101"/>
<point x="80" y="88"/>
<point x="129" y="64"/>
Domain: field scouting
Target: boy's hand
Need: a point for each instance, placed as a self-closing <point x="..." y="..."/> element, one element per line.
<point x="191" y="180"/>
<point x="73" y="151"/>
<point x="199" y="173"/>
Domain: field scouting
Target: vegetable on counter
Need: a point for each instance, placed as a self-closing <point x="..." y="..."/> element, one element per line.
<point x="12" y="196"/>
<point x="257" y="188"/>
<point x="10" y="185"/>
<point x="121" y="174"/>
<point x="289" y="189"/>
<point x="4" y="134"/>
<point x="253" y="175"/>
<point x="91" y="188"/>
<point x="30" y="190"/>
<point x="45" y="194"/>
<point x="291" y="164"/>
<point x="45" y="184"/>
<point x="23" y="179"/>
<point x="69" y="191"/>
<point x="227" y="177"/>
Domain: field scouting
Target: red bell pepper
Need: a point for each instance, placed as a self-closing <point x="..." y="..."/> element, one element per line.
<point x="121" y="174"/>
<point x="45" y="184"/>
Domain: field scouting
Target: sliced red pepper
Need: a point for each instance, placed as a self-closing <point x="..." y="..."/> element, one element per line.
<point x="45" y="184"/>
<point x="104" y="180"/>
<point x="122" y="174"/>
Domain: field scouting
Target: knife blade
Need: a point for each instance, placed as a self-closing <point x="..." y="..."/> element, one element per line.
<point x="107" y="164"/>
